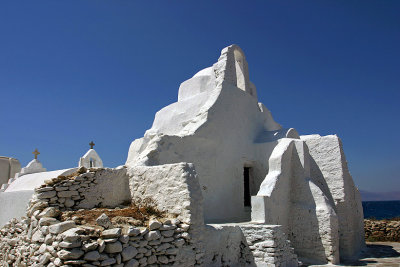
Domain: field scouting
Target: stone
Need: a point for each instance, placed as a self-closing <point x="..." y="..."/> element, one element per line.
<point x="152" y="259"/>
<point x="104" y="221"/>
<point x="73" y="254"/>
<point x="118" y="258"/>
<point x="154" y="224"/>
<point x="75" y="262"/>
<point x="49" y="212"/>
<point x="90" y="246"/>
<point x="171" y="251"/>
<point x="62" y="188"/>
<point x="113" y="247"/>
<point x="92" y="256"/>
<point x="67" y="194"/>
<point x="168" y="233"/>
<point x="45" y="258"/>
<point x="111" y="233"/>
<point x="132" y="263"/>
<point x="131" y="231"/>
<point x="61" y="227"/>
<point x="37" y="236"/>
<point x="73" y="244"/>
<point x="72" y="234"/>
<point x="152" y="235"/>
<point x="47" y="221"/>
<point x="102" y="245"/>
<point x="57" y="262"/>
<point x="162" y="259"/>
<point x="108" y="262"/>
<point x="179" y="242"/>
<point x="143" y="261"/>
<point x="167" y="227"/>
<point x="44" y="189"/>
<point x="69" y="203"/>
<point x="46" y="194"/>
<point x="128" y="253"/>
<point x="124" y="239"/>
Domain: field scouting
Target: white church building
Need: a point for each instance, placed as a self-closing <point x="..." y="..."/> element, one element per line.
<point x="254" y="193"/>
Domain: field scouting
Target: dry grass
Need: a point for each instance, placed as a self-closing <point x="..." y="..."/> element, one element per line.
<point x="131" y="215"/>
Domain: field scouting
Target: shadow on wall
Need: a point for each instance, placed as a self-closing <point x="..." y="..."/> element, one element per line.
<point x="303" y="229"/>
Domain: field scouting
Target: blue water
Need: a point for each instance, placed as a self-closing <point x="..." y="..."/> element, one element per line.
<point x="381" y="209"/>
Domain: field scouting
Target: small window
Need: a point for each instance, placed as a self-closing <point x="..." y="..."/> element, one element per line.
<point x="92" y="163"/>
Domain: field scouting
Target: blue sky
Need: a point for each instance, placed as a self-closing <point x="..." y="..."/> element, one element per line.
<point x="76" y="71"/>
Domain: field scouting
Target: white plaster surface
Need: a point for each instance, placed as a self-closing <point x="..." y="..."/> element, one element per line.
<point x="173" y="188"/>
<point x="14" y="204"/>
<point x="33" y="180"/>
<point x="8" y="168"/>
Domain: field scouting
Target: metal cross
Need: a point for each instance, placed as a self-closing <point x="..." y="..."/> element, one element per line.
<point x="91" y="144"/>
<point x="36" y="153"/>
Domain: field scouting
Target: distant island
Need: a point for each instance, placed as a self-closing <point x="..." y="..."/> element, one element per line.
<point x="379" y="196"/>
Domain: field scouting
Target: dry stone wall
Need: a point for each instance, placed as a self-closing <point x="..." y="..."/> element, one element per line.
<point x="247" y="244"/>
<point x="382" y="230"/>
<point x="43" y="239"/>
<point x="91" y="188"/>
<point x="269" y="245"/>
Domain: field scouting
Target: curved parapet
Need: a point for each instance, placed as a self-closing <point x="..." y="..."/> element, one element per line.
<point x="288" y="194"/>
<point x="330" y="163"/>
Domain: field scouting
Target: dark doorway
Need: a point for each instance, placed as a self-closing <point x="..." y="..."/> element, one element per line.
<point x="247" y="196"/>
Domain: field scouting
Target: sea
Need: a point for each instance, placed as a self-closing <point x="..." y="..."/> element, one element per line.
<point x="381" y="209"/>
